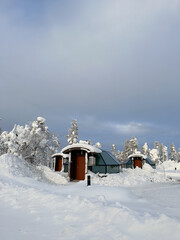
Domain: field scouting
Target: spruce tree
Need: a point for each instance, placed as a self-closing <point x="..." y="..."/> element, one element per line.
<point x="113" y="149"/>
<point x="127" y="150"/>
<point x="178" y="155"/>
<point x="72" y="137"/>
<point x="172" y="153"/>
<point x="145" y="149"/>
<point x="119" y="156"/>
<point x="165" y="153"/>
<point x="134" y="146"/>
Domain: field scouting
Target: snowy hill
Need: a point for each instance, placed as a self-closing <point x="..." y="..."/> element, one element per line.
<point x="133" y="177"/>
<point x="41" y="204"/>
<point x="15" y="167"/>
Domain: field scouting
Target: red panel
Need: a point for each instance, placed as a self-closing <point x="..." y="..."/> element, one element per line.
<point x="137" y="163"/>
<point x="58" y="166"/>
<point x="80" y="168"/>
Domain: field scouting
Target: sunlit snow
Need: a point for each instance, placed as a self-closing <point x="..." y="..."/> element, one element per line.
<point x="37" y="203"/>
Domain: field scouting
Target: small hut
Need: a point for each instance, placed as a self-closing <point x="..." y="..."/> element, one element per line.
<point x="59" y="161"/>
<point x="137" y="160"/>
<point x="78" y="158"/>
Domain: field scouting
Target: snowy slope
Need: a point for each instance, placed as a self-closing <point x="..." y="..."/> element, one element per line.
<point x="133" y="177"/>
<point x="40" y="204"/>
<point x="15" y="167"/>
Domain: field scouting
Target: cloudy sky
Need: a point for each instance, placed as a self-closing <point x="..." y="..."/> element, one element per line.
<point x="112" y="65"/>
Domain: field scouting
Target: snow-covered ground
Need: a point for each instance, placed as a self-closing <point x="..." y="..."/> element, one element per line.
<point x="36" y="203"/>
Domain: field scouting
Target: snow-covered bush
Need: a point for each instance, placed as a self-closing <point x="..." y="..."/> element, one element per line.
<point x="72" y="137"/>
<point x="154" y="155"/>
<point x="33" y="142"/>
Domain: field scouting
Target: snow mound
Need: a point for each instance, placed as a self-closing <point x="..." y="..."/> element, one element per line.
<point x="15" y="166"/>
<point x="171" y="169"/>
<point x="170" y="165"/>
<point x="54" y="177"/>
<point x="131" y="177"/>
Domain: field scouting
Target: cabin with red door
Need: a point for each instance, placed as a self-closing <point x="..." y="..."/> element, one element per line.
<point x="79" y="158"/>
<point x="59" y="160"/>
<point x="137" y="160"/>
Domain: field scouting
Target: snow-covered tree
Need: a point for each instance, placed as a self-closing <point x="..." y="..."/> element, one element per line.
<point x="131" y="146"/>
<point x="113" y="149"/>
<point x="3" y="143"/>
<point x="98" y="145"/>
<point x="72" y="137"/>
<point x="154" y="155"/>
<point x="33" y="142"/>
<point x="172" y="152"/>
<point x="119" y="156"/>
<point x="145" y="149"/>
<point x="127" y="150"/>
<point x="178" y="155"/>
<point x="165" y="153"/>
<point x="156" y="145"/>
<point x="134" y="145"/>
<point x="161" y="152"/>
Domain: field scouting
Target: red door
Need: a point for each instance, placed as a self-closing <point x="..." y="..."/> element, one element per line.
<point x="80" y="167"/>
<point x="137" y="163"/>
<point x="58" y="166"/>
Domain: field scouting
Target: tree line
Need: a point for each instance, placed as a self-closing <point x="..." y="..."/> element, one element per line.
<point x="158" y="154"/>
<point x="36" y="144"/>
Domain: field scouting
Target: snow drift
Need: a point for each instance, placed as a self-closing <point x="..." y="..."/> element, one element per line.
<point x="32" y="208"/>
<point x="15" y="166"/>
<point x="131" y="177"/>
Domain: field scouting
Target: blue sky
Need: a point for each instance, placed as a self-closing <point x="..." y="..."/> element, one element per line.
<point x="112" y="65"/>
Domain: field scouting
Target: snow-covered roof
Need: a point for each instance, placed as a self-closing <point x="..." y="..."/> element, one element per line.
<point x="60" y="155"/>
<point x="137" y="155"/>
<point x="82" y="146"/>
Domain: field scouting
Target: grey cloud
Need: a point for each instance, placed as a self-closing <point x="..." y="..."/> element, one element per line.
<point x="132" y="128"/>
<point x="116" y="61"/>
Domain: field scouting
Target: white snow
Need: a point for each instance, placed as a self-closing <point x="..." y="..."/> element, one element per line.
<point x="14" y="167"/>
<point x="137" y="154"/>
<point x="82" y="146"/>
<point x="36" y="203"/>
<point x="132" y="177"/>
<point x="170" y="169"/>
<point x="60" y="155"/>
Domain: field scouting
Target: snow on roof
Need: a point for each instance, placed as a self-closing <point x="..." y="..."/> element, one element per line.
<point x="137" y="155"/>
<point x="60" y="155"/>
<point x="82" y="146"/>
